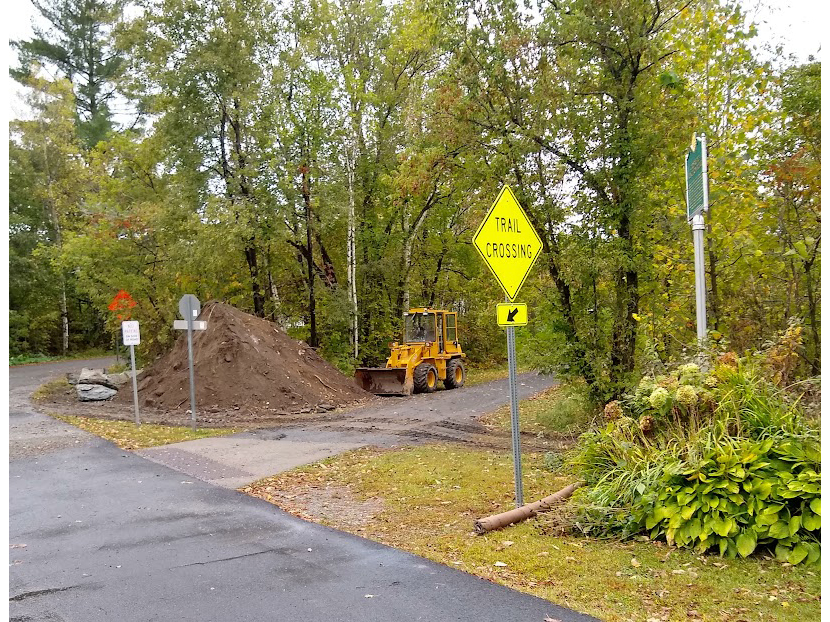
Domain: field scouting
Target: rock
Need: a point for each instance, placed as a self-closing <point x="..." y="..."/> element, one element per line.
<point x="94" y="392"/>
<point x="325" y="406"/>
<point x="118" y="380"/>
<point x="95" y="376"/>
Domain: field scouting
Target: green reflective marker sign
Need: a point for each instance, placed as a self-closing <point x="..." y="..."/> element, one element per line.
<point x="697" y="193"/>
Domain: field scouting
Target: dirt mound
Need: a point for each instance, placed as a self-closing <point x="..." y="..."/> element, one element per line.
<point x="244" y="363"/>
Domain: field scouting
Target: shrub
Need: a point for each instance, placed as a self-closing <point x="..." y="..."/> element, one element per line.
<point x="742" y="495"/>
<point x="724" y="461"/>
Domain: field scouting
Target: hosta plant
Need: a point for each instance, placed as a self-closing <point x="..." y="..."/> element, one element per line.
<point x="743" y="494"/>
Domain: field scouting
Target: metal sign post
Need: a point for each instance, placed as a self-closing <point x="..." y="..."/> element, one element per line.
<point x="514" y="414"/>
<point x="509" y="245"/>
<point x="190" y="307"/>
<point x="698" y="228"/>
<point x="697" y="203"/>
<point x="132" y="338"/>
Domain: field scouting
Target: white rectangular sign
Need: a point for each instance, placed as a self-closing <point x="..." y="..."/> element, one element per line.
<point x="130" y="333"/>
<point x="182" y="324"/>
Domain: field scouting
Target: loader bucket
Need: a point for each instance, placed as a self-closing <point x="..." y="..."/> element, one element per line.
<point x="384" y="380"/>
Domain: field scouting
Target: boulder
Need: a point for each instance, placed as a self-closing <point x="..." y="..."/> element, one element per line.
<point x="94" y="392"/>
<point x="95" y="376"/>
<point x="118" y="380"/>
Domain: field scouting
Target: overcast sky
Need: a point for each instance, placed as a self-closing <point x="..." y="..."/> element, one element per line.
<point x="796" y="24"/>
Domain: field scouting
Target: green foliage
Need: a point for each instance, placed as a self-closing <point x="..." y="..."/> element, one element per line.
<point x="24" y="359"/>
<point x="742" y="495"/>
<point x="279" y="134"/>
<point x="78" y="43"/>
<point x="705" y="461"/>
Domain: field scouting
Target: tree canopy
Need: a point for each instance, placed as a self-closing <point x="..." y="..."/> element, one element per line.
<point x="325" y="164"/>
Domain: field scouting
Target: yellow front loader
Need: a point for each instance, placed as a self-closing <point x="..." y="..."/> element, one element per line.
<point x="430" y="351"/>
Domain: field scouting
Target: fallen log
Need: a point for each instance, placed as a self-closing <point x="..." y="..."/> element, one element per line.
<point x="497" y="521"/>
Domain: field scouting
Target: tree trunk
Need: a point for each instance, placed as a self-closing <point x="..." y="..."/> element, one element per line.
<point x="351" y="258"/>
<point x="64" y="318"/>
<point x="53" y="216"/>
<point x="234" y="189"/>
<point x="406" y="256"/>
<point x="309" y="237"/>
<point x="253" y="269"/>
<point x="625" y="327"/>
<point x="815" y="360"/>
<point x="550" y="251"/>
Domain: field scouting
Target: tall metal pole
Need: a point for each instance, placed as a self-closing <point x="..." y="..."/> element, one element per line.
<point x="514" y="414"/>
<point x="698" y="228"/>
<point x="135" y="385"/>
<point x="190" y="359"/>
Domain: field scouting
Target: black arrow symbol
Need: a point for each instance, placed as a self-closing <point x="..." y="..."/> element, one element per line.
<point x="512" y="314"/>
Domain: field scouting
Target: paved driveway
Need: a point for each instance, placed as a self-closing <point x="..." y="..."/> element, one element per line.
<point x="97" y="533"/>
<point x="234" y="461"/>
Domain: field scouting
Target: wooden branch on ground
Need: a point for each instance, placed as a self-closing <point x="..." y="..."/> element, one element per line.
<point x="497" y="521"/>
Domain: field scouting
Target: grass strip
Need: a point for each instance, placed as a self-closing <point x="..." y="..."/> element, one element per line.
<point x="127" y="435"/>
<point x="560" y="410"/>
<point x="429" y="497"/>
<point x="480" y="375"/>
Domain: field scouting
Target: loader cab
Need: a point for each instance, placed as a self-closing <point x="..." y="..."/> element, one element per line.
<point x="437" y="328"/>
<point x="419" y="327"/>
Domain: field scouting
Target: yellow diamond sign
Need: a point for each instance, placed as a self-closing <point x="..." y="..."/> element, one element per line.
<point x="507" y="242"/>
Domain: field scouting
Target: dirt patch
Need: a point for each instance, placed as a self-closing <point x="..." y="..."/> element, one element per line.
<point x="328" y="504"/>
<point x="247" y="364"/>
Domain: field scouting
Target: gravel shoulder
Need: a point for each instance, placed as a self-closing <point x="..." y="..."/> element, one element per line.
<point x="31" y="433"/>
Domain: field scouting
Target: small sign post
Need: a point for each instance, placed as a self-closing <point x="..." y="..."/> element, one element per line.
<point x="510" y="246"/>
<point x="132" y="337"/>
<point x="697" y="203"/>
<point x="189" y="308"/>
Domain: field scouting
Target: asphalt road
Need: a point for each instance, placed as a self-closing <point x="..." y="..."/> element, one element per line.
<point x="97" y="533"/>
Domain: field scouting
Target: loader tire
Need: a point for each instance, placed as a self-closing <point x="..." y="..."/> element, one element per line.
<point x="425" y="378"/>
<point x="456" y="374"/>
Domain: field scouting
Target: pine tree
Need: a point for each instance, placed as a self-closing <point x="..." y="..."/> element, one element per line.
<point x="78" y="44"/>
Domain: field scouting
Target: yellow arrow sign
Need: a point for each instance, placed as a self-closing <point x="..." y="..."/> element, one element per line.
<point x="512" y="314"/>
<point x="507" y="242"/>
